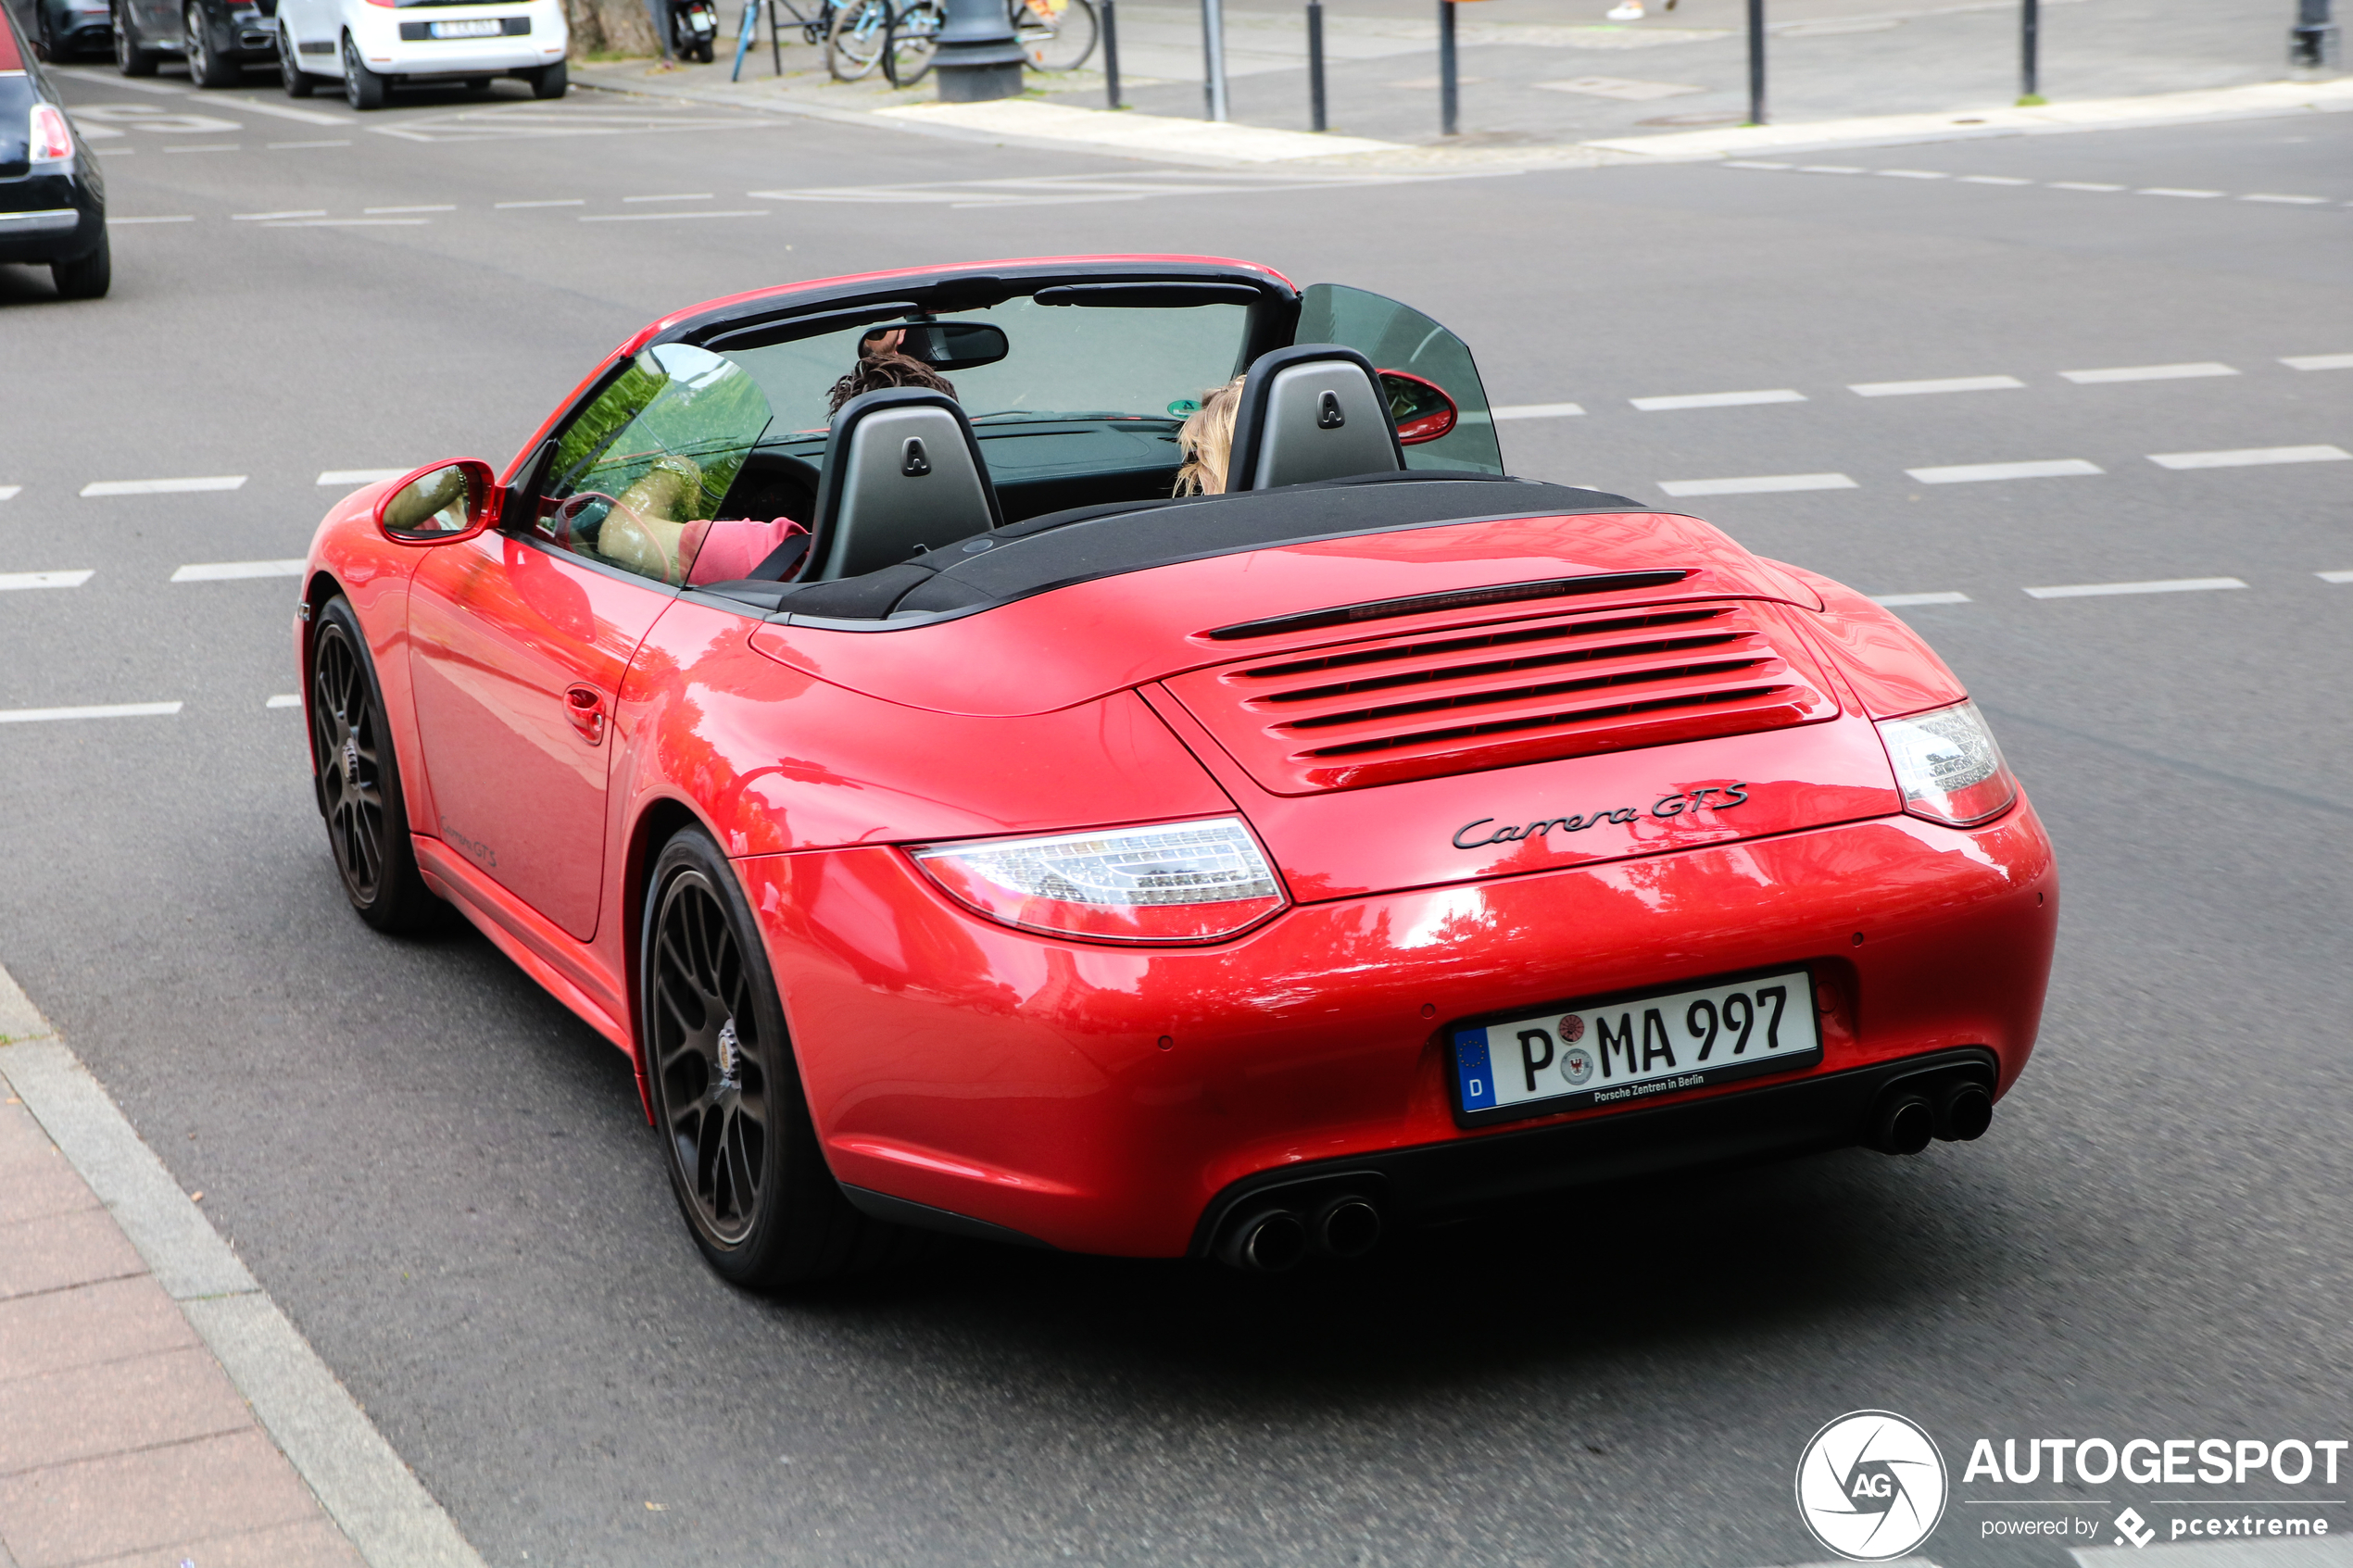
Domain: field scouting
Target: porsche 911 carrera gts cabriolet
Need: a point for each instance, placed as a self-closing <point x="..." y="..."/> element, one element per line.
<point x="960" y="831"/>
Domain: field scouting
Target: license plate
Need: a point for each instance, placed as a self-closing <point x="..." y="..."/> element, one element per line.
<point x="1623" y="1049"/>
<point x="490" y="27"/>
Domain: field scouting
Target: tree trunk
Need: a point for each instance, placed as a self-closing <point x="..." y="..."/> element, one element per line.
<point x="618" y="27"/>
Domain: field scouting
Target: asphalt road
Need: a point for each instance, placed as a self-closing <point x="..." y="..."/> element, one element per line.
<point x="445" y="1179"/>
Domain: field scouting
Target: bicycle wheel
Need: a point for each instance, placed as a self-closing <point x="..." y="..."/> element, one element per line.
<point x="1055" y="34"/>
<point x="914" y="36"/>
<point x="855" y="46"/>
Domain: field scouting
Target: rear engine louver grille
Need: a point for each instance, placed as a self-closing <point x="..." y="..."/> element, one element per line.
<point x="1564" y="686"/>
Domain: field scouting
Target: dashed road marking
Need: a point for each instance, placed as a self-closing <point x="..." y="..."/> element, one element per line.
<point x="1536" y="411"/>
<point x="2286" y="201"/>
<point x="1994" y="180"/>
<point x="1973" y="473"/>
<point x="1910" y="174"/>
<point x="1714" y="400"/>
<point x="210" y="147"/>
<point x="2083" y="186"/>
<point x="290" y="146"/>
<point x="2250" y="456"/>
<point x="443" y="206"/>
<point x="2162" y="585"/>
<point x="236" y="571"/>
<point x="1901" y="601"/>
<point x="272" y="217"/>
<point x="9" y="580"/>
<point x="118" y="223"/>
<point x="692" y="196"/>
<point x="2177" y="190"/>
<point x="8" y="490"/>
<point x="1757" y="484"/>
<point x="2335" y="576"/>
<point x="162" y="486"/>
<point x="359" y="476"/>
<point x="107" y="710"/>
<point x="2104" y="187"/>
<point x="1951" y="384"/>
<point x="352" y="223"/>
<point x="2318" y="362"/>
<point x="2149" y="372"/>
<point x="670" y="216"/>
<point x="1828" y="168"/>
<point x="285" y="700"/>
<point x="503" y="207"/>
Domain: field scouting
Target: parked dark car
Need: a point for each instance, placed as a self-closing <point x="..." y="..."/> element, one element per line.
<point x="53" y="203"/>
<point x="61" y="30"/>
<point x="219" y="38"/>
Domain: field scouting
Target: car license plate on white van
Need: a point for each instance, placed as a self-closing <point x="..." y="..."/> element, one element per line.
<point x="1622" y="1049"/>
<point x="489" y="27"/>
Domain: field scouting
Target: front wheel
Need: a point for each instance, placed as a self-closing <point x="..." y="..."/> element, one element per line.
<point x="129" y="58"/>
<point x="290" y="72"/>
<point x="358" y="778"/>
<point x="743" y="1155"/>
<point x="1055" y="34"/>
<point x="363" y="89"/>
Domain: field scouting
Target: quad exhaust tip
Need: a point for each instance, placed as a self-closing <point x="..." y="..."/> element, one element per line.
<point x="1909" y="1115"/>
<point x="1272" y="1241"/>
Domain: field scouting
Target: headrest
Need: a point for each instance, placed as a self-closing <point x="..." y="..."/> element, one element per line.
<point x="1311" y="411"/>
<point x="903" y="473"/>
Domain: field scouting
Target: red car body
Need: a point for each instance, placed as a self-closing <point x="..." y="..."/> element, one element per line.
<point x="1112" y="1097"/>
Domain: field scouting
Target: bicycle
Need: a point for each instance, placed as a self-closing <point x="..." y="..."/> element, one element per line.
<point x="1057" y="35"/>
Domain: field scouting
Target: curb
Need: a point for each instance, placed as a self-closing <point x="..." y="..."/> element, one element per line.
<point x="365" y="1487"/>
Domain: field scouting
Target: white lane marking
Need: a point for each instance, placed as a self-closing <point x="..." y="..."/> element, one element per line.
<point x="162" y="486"/>
<point x="235" y="570"/>
<point x="108" y="710"/>
<point x="1899" y="601"/>
<point x="693" y="196"/>
<point x="505" y="205"/>
<point x="1994" y="180"/>
<point x="2250" y="456"/>
<point x="108" y="79"/>
<point x="358" y="476"/>
<point x="118" y="222"/>
<point x="352" y="223"/>
<point x="441" y="207"/>
<point x="7" y="491"/>
<point x="2149" y="372"/>
<point x="2162" y="585"/>
<point x="268" y="217"/>
<point x="1536" y="411"/>
<point x="282" y="111"/>
<point x="1716" y="399"/>
<point x="288" y="146"/>
<point x="1951" y="384"/>
<point x="2082" y="185"/>
<point x="285" y="700"/>
<point x="44" y="579"/>
<point x="1756" y="484"/>
<point x="1752" y="163"/>
<point x="210" y="147"/>
<point x="2318" y="361"/>
<point x="1828" y="168"/>
<point x="2174" y="191"/>
<point x="1909" y="174"/>
<point x="669" y="217"/>
<point x="2335" y="576"/>
<point x="1972" y="473"/>
<point x="2291" y="201"/>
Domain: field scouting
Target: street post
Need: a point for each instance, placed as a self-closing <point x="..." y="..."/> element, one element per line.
<point x="1449" y="90"/>
<point x="1756" y="62"/>
<point x="1111" y="53"/>
<point x="979" y="58"/>
<point x="1212" y="50"/>
<point x="2029" y="29"/>
<point x="1315" y="64"/>
<point x="2311" y="42"/>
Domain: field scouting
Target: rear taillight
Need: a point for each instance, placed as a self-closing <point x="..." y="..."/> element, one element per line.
<point x="1947" y="765"/>
<point x="52" y="137"/>
<point x="1180" y="882"/>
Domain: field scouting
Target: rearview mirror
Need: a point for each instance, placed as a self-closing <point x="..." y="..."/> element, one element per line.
<point x="1420" y="409"/>
<point x="440" y="504"/>
<point x="946" y="346"/>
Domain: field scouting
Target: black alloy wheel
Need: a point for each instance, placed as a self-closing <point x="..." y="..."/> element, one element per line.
<point x="129" y="58"/>
<point x="358" y="779"/>
<point x="291" y="75"/>
<point x="744" y="1162"/>
<point x="205" y="68"/>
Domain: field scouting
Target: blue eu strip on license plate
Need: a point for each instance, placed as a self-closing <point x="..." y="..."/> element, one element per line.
<point x="1632" y="1047"/>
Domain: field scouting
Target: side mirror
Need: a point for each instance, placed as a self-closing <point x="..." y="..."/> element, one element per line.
<point x="1420" y="409"/>
<point x="440" y="504"/>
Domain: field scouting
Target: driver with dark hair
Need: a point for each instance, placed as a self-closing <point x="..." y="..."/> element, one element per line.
<point x="882" y="363"/>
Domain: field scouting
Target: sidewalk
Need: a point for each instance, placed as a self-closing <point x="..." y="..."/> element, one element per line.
<point x="156" y="1410"/>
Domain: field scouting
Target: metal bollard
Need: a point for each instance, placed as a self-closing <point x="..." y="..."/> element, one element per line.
<point x="2029" y="29"/>
<point x="1756" y="62"/>
<point x="1449" y="93"/>
<point x="1111" y="53"/>
<point x="1315" y="64"/>
<point x="1213" y="49"/>
<point x="2311" y="42"/>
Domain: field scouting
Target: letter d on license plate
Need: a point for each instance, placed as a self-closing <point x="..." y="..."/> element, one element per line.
<point x="1625" y="1048"/>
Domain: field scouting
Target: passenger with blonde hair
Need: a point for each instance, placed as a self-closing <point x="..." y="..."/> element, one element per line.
<point x="1207" y="439"/>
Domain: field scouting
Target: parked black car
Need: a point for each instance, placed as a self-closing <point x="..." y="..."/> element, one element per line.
<point x="53" y="203"/>
<point x="219" y="38"/>
<point x="63" y="28"/>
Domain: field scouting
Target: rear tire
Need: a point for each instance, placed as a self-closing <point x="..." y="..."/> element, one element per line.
<point x="706" y="49"/>
<point x="205" y="68"/>
<point x="363" y="89"/>
<point x="356" y="778"/>
<point x="291" y="75"/>
<point x="477" y="84"/>
<point x="85" y="277"/>
<point x="745" y="1165"/>
<point x="129" y="58"/>
<point x="550" y="81"/>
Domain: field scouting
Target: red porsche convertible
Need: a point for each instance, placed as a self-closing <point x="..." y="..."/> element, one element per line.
<point x="962" y="833"/>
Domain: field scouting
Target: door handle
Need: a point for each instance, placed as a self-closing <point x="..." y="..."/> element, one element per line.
<point x="585" y="706"/>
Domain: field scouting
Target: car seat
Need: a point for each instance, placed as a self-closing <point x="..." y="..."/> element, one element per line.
<point x="1311" y="411"/>
<point x="903" y="473"/>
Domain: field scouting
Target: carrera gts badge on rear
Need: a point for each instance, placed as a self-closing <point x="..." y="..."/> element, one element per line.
<point x="1665" y="807"/>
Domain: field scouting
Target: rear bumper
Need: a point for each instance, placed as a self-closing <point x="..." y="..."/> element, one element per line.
<point x="49" y="218"/>
<point x="1118" y="1100"/>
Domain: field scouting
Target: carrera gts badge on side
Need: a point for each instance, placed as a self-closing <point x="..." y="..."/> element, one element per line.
<point x="1666" y="806"/>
